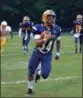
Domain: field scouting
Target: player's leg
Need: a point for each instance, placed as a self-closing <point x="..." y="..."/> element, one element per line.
<point x="33" y="63"/>
<point x="27" y="42"/>
<point x="80" y="40"/>
<point x="3" y="42"/>
<point x="38" y="73"/>
<point x="76" y="44"/>
<point x="23" y="41"/>
<point x="46" y="66"/>
<point x="58" y="45"/>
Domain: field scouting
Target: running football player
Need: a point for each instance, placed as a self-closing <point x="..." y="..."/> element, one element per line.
<point x="4" y="31"/>
<point x="25" y="30"/>
<point x="77" y="31"/>
<point x="45" y="35"/>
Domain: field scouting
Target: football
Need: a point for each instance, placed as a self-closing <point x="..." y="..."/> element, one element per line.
<point x="42" y="36"/>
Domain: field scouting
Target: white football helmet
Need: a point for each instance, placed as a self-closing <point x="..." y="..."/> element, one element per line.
<point x="79" y="16"/>
<point x="4" y="23"/>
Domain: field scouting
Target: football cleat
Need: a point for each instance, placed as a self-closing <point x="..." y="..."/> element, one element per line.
<point x="57" y="57"/>
<point x="30" y="92"/>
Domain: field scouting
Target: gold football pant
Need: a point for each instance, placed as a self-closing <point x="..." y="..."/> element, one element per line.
<point x="3" y="43"/>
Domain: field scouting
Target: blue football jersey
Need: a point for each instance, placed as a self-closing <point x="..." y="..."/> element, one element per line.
<point x="77" y="26"/>
<point x="47" y="47"/>
<point x="26" y="27"/>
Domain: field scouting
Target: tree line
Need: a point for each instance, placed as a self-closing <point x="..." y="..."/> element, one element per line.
<point x="14" y="10"/>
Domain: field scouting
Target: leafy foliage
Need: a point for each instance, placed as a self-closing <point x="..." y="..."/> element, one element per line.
<point x="14" y="10"/>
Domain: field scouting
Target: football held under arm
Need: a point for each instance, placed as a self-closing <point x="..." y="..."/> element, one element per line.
<point x="42" y="38"/>
<point x="39" y="39"/>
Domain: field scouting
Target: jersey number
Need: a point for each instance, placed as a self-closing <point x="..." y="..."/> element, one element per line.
<point x="48" y="47"/>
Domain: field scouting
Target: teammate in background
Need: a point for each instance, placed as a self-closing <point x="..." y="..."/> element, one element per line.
<point x="25" y="30"/>
<point x="81" y="37"/>
<point x="45" y="35"/>
<point x="77" y="31"/>
<point x="4" y="30"/>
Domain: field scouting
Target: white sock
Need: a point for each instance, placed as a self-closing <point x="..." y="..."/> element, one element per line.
<point x="58" y="54"/>
<point x="39" y="72"/>
<point x="30" y="84"/>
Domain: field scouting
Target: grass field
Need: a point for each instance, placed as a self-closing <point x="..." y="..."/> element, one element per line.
<point x="65" y="79"/>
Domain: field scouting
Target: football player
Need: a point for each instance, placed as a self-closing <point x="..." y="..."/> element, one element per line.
<point x="25" y="30"/>
<point x="81" y="36"/>
<point x="4" y="30"/>
<point x="45" y="35"/>
<point x="77" y="30"/>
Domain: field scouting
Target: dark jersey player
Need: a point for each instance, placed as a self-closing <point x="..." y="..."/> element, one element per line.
<point x="78" y="32"/>
<point x="45" y="35"/>
<point x="26" y="29"/>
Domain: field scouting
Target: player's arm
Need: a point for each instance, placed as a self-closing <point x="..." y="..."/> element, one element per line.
<point x="39" y="42"/>
<point x="73" y="28"/>
<point x="20" y="32"/>
<point x="9" y="30"/>
<point x="11" y="34"/>
<point x="58" y="45"/>
<point x="40" y="39"/>
<point x="37" y="36"/>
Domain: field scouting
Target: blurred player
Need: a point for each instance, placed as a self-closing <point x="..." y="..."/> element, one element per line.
<point x="4" y="30"/>
<point x="77" y="30"/>
<point x="81" y="37"/>
<point x="25" y="30"/>
<point x="45" y="35"/>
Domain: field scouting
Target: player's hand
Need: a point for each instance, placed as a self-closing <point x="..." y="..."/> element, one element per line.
<point x="48" y="36"/>
<point x="57" y="57"/>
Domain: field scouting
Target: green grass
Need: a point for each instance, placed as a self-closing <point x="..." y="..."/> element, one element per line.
<point x="14" y="68"/>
